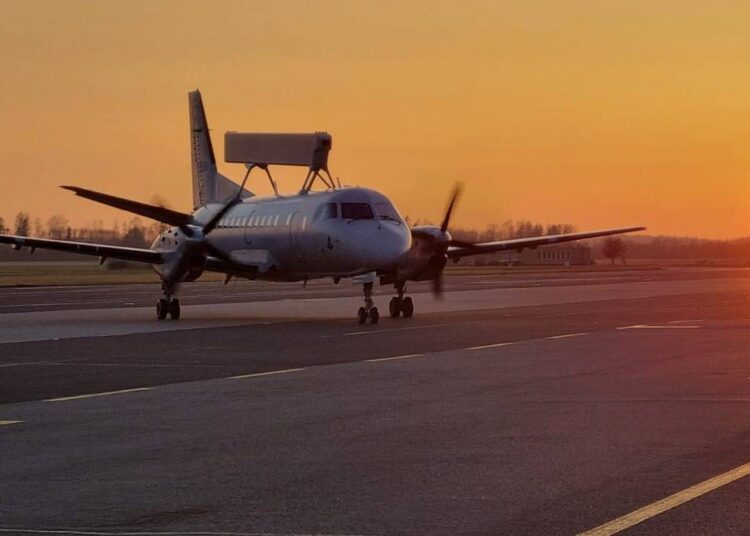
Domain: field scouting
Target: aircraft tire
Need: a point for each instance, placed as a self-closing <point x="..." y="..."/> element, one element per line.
<point x="361" y="315"/>
<point x="162" y="307"/>
<point x="174" y="309"/>
<point x="394" y="308"/>
<point x="407" y="307"/>
<point x="374" y="315"/>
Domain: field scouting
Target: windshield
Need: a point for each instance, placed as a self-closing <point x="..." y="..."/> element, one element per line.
<point x="386" y="211"/>
<point x="356" y="211"/>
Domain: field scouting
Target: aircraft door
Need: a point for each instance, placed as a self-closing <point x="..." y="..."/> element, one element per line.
<point x="296" y="228"/>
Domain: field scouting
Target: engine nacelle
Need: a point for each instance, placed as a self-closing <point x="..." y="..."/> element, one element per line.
<point x="185" y="259"/>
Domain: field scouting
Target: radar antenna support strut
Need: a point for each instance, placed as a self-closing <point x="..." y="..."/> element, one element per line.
<point x="264" y="167"/>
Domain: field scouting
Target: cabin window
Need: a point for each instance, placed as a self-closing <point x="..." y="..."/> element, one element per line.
<point x="356" y="211"/>
<point x="276" y="220"/>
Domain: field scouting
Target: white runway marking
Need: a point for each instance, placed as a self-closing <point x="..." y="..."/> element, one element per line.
<point x="667" y="503"/>
<point x="496" y="345"/>
<point x="269" y="373"/>
<point x="649" y="326"/>
<point x="379" y="359"/>
<point x="72" y="532"/>
<point x="92" y="395"/>
<point x="566" y="336"/>
<point x="5" y="423"/>
<point x="48" y="304"/>
<point x="388" y="330"/>
<point x="6" y="365"/>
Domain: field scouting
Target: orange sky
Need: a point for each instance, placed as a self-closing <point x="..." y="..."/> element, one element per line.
<point x="601" y="114"/>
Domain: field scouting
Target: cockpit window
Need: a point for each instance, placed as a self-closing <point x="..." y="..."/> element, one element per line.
<point x="356" y="211"/>
<point x="332" y="211"/>
<point x="386" y="211"/>
<point x="327" y="211"/>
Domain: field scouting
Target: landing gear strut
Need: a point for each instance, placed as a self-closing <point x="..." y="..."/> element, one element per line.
<point x="168" y="304"/>
<point x="400" y="305"/>
<point x="369" y="310"/>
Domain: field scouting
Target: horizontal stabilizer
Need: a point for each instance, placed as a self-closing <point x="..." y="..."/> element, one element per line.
<point x="154" y="212"/>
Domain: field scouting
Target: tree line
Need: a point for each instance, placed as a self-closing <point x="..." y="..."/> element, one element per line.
<point x="132" y="233"/>
<point x="136" y="233"/>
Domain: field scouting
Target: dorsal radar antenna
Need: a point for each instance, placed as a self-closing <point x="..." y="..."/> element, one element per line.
<point x="261" y="150"/>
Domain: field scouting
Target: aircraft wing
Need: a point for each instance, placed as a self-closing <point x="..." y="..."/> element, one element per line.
<point x="98" y="250"/>
<point x="465" y="249"/>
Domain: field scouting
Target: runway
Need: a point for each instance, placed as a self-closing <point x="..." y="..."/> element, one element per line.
<point x="528" y="404"/>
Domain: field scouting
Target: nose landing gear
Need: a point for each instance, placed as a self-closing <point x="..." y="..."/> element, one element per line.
<point x="400" y="305"/>
<point x="168" y="305"/>
<point x="369" y="310"/>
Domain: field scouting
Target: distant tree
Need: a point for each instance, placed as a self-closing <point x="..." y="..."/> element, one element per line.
<point x="23" y="223"/>
<point x="57" y="227"/>
<point x="135" y="237"/>
<point x="3" y="228"/>
<point x="154" y="230"/>
<point x="614" y="247"/>
<point x="38" y="227"/>
<point x="560" y="228"/>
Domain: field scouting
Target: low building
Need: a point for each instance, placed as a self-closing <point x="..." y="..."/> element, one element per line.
<point x="562" y="255"/>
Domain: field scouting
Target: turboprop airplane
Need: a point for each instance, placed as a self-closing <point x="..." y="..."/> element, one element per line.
<point x="340" y="232"/>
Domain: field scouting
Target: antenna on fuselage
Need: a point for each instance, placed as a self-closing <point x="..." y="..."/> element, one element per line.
<point x="262" y="150"/>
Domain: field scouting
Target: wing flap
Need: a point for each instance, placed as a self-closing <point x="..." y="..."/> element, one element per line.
<point x="83" y="248"/>
<point x="532" y="242"/>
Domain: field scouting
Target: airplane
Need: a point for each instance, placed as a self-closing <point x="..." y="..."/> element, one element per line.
<point x="339" y="232"/>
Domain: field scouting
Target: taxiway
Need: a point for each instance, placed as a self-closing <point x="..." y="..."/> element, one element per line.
<point x="548" y="404"/>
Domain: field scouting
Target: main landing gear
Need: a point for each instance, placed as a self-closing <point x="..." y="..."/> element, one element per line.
<point x="400" y="305"/>
<point x="168" y="305"/>
<point x="369" y="310"/>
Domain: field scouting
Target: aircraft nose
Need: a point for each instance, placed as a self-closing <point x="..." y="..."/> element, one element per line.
<point x="390" y="244"/>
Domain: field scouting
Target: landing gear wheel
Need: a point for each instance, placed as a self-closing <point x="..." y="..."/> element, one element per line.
<point x="361" y="315"/>
<point x="374" y="315"/>
<point x="394" y="307"/>
<point x="162" y="307"/>
<point x="407" y="307"/>
<point x="174" y="309"/>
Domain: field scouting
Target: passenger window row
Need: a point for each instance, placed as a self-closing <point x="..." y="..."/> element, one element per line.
<point x="266" y="220"/>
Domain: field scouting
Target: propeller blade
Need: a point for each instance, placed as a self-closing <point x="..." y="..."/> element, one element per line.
<point x="213" y="222"/>
<point x="454" y="198"/>
<point x="216" y="252"/>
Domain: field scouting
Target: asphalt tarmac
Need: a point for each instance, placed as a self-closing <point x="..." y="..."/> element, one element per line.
<point x="521" y="404"/>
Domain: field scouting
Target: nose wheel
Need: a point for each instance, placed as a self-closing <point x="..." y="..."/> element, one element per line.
<point x="401" y="305"/>
<point x="369" y="311"/>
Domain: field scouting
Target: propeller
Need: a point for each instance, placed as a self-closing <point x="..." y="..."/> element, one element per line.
<point x="447" y="218"/>
<point x="442" y="242"/>
<point x="198" y="247"/>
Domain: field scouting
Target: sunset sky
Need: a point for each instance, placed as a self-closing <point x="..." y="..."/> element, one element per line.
<point x="600" y="114"/>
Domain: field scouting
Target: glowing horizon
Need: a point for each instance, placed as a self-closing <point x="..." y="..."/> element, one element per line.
<point x="599" y="115"/>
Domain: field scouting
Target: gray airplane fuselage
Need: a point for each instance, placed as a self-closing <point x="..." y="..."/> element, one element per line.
<point x="335" y="233"/>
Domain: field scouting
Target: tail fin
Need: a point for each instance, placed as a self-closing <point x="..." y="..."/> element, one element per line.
<point x="209" y="186"/>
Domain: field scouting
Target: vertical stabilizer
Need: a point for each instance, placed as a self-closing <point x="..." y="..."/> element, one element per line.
<point x="209" y="186"/>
